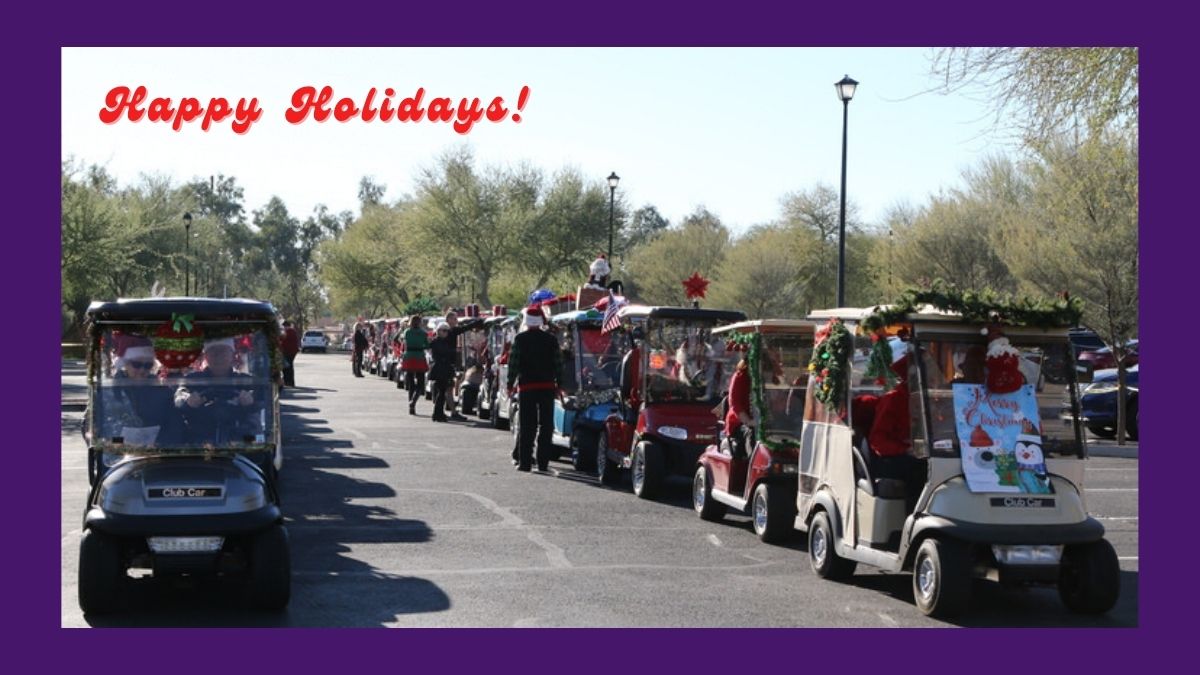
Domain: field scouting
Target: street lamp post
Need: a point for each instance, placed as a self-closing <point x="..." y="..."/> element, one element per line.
<point x="187" y="253"/>
<point x="845" y="91"/>
<point x="613" y="179"/>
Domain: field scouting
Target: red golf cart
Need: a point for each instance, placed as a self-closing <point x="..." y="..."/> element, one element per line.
<point x="760" y="480"/>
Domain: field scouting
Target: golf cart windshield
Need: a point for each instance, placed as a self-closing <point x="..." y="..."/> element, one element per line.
<point x="953" y="368"/>
<point x="153" y="392"/>
<point x="684" y="362"/>
<point x="599" y="358"/>
<point x="784" y="375"/>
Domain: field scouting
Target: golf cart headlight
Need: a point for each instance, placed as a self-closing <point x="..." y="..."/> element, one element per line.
<point x="782" y="468"/>
<point x="1027" y="555"/>
<point x="185" y="544"/>
<point x="678" y="433"/>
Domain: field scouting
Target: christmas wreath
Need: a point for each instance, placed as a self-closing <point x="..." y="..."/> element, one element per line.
<point x="830" y="363"/>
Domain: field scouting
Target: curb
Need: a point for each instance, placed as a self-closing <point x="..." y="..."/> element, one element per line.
<point x="1113" y="451"/>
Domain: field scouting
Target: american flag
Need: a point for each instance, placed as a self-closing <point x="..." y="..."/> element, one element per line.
<point x="611" y="320"/>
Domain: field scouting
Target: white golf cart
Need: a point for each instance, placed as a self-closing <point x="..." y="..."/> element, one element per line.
<point x="989" y="485"/>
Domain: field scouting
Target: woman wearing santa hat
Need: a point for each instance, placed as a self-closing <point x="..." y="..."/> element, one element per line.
<point x="136" y="399"/>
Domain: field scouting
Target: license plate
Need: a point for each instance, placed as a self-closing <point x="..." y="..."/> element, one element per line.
<point x="184" y="492"/>
<point x="1023" y="502"/>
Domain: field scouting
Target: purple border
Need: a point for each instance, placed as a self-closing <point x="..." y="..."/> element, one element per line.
<point x="36" y="78"/>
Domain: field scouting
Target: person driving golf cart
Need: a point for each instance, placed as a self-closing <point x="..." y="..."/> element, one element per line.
<point x="217" y="402"/>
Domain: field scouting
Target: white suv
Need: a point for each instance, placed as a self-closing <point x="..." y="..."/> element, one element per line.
<point x="314" y="340"/>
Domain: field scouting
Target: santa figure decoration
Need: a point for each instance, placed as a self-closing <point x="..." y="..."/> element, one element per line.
<point x="599" y="272"/>
<point x="1003" y="363"/>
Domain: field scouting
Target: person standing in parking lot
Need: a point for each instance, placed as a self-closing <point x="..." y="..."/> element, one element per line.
<point x="535" y="370"/>
<point x="360" y="345"/>
<point x="289" y="346"/>
<point x="416" y="341"/>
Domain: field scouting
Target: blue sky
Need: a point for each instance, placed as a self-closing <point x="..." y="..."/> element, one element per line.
<point x="732" y="129"/>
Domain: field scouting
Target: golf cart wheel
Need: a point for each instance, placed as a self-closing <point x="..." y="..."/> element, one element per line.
<point x="480" y="411"/>
<point x="514" y="421"/>
<point x="583" y="450"/>
<point x="101" y="573"/>
<point x="1089" y="580"/>
<point x="706" y="507"/>
<point x="606" y="470"/>
<point x="497" y="421"/>
<point x="270" y="569"/>
<point x="773" y="513"/>
<point x="1131" y="419"/>
<point x="942" y="578"/>
<point x="821" y="552"/>
<point x="648" y="470"/>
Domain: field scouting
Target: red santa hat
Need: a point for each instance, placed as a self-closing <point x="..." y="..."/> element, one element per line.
<point x="133" y="348"/>
<point x="533" y="317"/>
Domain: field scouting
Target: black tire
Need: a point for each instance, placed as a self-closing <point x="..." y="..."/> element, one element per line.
<point x="942" y="578"/>
<point x="470" y="396"/>
<point x="649" y="469"/>
<point x="773" y="512"/>
<point x="102" y="578"/>
<point x="497" y="421"/>
<point x="480" y="411"/>
<point x="1102" y="431"/>
<point x="1089" y="580"/>
<point x="821" y="552"/>
<point x="702" y="502"/>
<point x="270" y="570"/>
<point x="1131" y="419"/>
<point x="583" y="450"/>
<point x="606" y="470"/>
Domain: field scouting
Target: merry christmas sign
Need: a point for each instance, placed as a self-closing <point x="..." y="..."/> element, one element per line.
<point x="1000" y="439"/>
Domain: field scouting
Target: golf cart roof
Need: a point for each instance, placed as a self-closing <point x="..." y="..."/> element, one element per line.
<point x="684" y="313"/>
<point x="768" y="326"/>
<point x="160" y="309"/>
<point x="929" y="317"/>
<point x="579" y="316"/>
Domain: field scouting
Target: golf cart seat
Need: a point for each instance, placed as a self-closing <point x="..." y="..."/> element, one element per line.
<point x="881" y="488"/>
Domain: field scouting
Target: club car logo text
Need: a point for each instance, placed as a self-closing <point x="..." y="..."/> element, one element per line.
<point x="184" y="492"/>
<point x="1022" y="502"/>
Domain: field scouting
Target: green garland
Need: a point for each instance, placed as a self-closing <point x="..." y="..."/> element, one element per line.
<point x="830" y="365"/>
<point x="879" y="364"/>
<point x="753" y="344"/>
<point x="979" y="307"/>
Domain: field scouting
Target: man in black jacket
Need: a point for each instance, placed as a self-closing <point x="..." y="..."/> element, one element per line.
<point x="535" y="368"/>
<point x="360" y="345"/>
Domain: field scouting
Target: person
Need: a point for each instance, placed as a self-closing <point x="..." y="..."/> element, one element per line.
<point x="413" y="362"/>
<point x="890" y="436"/>
<point x="442" y="373"/>
<point x="217" y="402"/>
<point x="360" y="345"/>
<point x="535" y="373"/>
<point x="289" y="346"/>
<point x="136" y="407"/>
<point x="695" y="363"/>
<point x="739" y="421"/>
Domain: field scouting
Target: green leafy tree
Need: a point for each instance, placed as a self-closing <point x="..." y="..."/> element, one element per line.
<point x="657" y="269"/>
<point x="567" y="231"/>
<point x="759" y="276"/>
<point x="1048" y="91"/>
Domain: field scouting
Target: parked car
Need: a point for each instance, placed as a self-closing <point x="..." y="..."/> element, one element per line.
<point x="314" y="340"/>
<point x="1098" y="403"/>
<point x="1102" y="358"/>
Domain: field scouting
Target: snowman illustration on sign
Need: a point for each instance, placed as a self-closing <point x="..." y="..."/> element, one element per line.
<point x="1031" y="465"/>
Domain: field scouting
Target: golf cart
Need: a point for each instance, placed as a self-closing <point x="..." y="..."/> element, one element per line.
<point x="494" y="403"/>
<point x="761" y="480"/>
<point x="988" y="477"/>
<point x="671" y="381"/>
<point x="183" y="448"/>
<point x="591" y="364"/>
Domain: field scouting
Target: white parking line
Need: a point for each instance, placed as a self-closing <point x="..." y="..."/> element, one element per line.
<point x="712" y="538"/>
<point x="1128" y="557"/>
